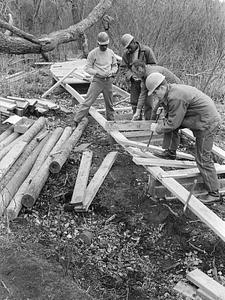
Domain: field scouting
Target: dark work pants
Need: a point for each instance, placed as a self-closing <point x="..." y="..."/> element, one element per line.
<point x="135" y="91"/>
<point x="97" y="86"/>
<point x="203" y="151"/>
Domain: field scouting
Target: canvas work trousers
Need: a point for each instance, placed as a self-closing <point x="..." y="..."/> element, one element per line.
<point x="135" y="91"/>
<point x="203" y="151"/>
<point x="97" y="86"/>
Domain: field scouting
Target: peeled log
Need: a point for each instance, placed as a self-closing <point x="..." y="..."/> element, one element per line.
<point x="9" y="191"/>
<point x="8" y="159"/>
<point x="6" y="149"/>
<point x="6" y="133"/>
<point x="38" y="181"/>
<point x="15" y="205"/>
<point x="9" y="139"/>
<point x="34" y="129"/>
<point x="60" y="158"/>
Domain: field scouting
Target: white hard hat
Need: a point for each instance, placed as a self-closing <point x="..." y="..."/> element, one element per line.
<point x="126" y="39"/>
<point x="103" y="38"/>
<point x="153" y="81"/>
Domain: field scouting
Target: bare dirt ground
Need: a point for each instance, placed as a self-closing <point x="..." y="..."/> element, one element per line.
<point x="137" y="247"/>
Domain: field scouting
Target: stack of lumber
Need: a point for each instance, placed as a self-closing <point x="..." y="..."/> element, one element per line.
<point x="17" y="105"/>
<point x="201" y="287"/>
<point x="25" y="160"/>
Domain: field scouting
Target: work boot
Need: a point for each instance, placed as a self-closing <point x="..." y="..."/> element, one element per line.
<point x="210" y="198"/>
<point x="167" y="154"/>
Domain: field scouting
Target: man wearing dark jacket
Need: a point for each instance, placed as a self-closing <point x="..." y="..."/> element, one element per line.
<point x="187" y="107"/>
<point x="134" y="51"/>
<point x="145" y="102"/>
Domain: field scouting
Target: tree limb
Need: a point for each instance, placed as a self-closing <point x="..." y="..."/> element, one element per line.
<point x="27" y="43"/>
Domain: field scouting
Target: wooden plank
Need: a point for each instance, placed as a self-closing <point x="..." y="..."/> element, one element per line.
<point x="7" y="105"/>
<point x="98" y="178"/>
<point x="203" y="295"/>
<point x="207" y="284"/>
<point x="125" y="142"/>
<point x="82" y="178"/>
<point x="196" y="206"/>
<point x="216" y="150"/>
<point x="136" y="133"/>
<point x="164" y="162"/>
<point x="127" y="125"/>
<point x="186" y="289"/>
<point x="125" y="108"/>
<point x="220" y="169"/>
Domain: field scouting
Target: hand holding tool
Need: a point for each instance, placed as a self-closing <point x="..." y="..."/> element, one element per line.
<point x="158" y="113"/>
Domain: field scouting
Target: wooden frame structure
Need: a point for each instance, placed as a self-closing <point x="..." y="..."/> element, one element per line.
<point x="120" y="131"/>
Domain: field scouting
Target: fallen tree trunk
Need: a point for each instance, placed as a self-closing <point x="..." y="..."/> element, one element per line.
<point x="38" y="181"/>
<point x="27" y="43"/>
<point x="13" y="185"/>
<point x="16" y="203"/>
<point x="60" y="158"/>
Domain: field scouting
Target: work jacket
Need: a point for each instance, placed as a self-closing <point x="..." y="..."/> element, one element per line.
<point x="169" y="76"/>
<point x="187" y="107"/>
<point x="145" y="54"/>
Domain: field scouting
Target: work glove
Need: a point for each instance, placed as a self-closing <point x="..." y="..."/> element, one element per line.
<point x="153" y="127"/>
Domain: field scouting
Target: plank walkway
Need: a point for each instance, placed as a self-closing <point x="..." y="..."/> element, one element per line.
<point x="128" y="134"/>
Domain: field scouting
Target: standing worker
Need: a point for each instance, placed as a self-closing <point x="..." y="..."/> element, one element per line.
<point x="187" y="107"/>
<point x="133" y="51"/>
<point x="102" y="64"/>
<point x="141" y="70"/>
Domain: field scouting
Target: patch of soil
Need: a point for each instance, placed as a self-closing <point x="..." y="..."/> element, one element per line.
<point x="24" y="276"/>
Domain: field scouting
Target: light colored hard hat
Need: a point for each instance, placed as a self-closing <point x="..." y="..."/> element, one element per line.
<point x="103" y="38"/>
<point x="153" y="81"/>
<point x="126" y="39"/>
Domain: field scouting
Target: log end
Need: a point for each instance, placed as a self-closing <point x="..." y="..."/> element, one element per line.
<point x="54" y="167"/>
<point x="28" y="200"/>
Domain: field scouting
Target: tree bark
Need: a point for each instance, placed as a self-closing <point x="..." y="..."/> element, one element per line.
<point x="38" y="181"/>
<point x="60" y="158"/>
<point x="13" y="185"/>
<point x="16" y="203"/>
<point x="27" y="43"/>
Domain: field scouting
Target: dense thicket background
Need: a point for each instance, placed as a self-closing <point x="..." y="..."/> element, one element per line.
<point x="186" y="35"/>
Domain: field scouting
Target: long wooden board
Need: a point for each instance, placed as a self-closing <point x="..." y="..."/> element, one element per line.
<point x="82" y="178"/>
<point x="127" y="125"/>
<point x="196" y="206"/>
<point x="98" y="178"/>
<point x="207" y="284"/>
<point x="220" y="169"/>
<point x="164" y="162"/>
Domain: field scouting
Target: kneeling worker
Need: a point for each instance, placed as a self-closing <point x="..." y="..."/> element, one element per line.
<point x="145" y="102"/>
<point x="187" y="107"/>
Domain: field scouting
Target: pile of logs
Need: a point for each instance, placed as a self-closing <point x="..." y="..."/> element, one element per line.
<point x="25" y="161"/>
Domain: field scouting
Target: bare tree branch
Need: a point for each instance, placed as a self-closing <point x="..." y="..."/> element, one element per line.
<point x="27" y="43"/>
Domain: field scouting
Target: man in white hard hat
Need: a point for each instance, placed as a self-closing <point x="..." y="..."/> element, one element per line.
<point x="133" y="50"/>
<point x="187" y="107"/>
<point x="102" y="64"/>
<point x="141" y="70"/>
